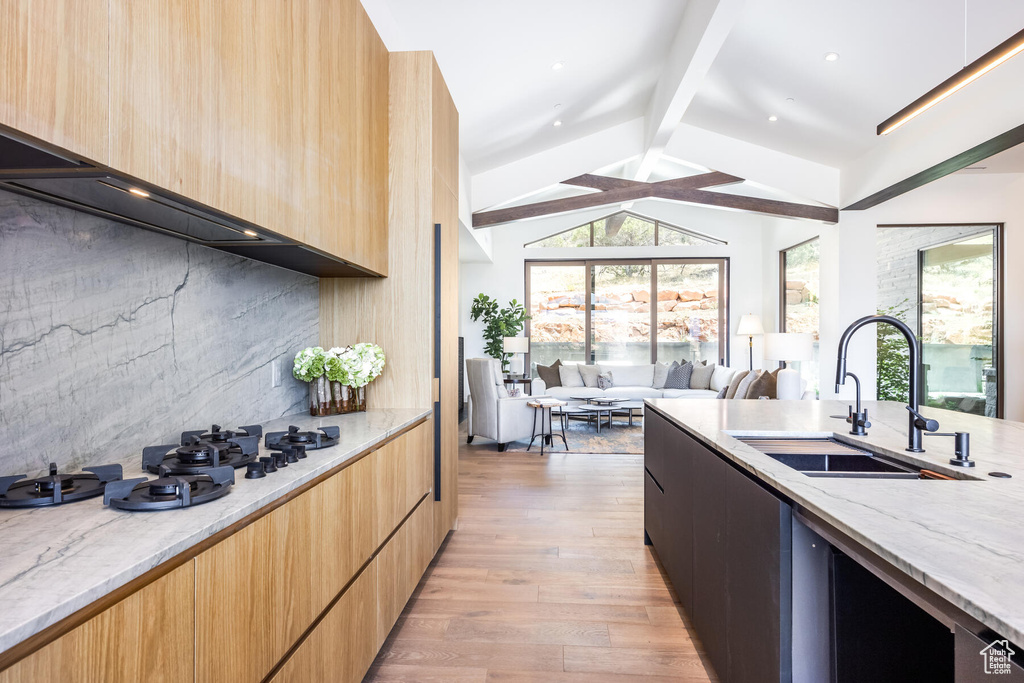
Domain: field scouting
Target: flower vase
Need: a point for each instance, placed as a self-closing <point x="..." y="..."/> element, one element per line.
<point x="314" y="399"/>
<point x="359" y="399"/>
<point x="338" y="392"/>
<point x="323" y="394"/>
<point x="346" y="399"/>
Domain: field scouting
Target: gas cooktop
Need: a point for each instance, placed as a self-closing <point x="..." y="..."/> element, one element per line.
<point x="199" y="451"/>
<point x="56" y="489"/>
<point x="181" y="491"/>
<point x="324" y="437"/>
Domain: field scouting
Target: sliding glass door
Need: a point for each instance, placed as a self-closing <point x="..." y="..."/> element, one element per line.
<point x="958" y="324"/>
<point x="627" y="311"/>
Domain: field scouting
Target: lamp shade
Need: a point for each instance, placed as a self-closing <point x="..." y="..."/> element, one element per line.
<point x="750" y="324"/>
<point x="517" y="345"/>
<point x="788" y="346"/>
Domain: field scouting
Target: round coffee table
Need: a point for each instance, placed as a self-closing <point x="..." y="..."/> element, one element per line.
<point x="542" y="409"/>
<point x="598" y="411"/>
<point x="628" y="407"/>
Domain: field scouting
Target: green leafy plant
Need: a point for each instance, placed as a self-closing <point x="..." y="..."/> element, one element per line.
<point x="893" y="356"/>
<point x="498" y="324"/>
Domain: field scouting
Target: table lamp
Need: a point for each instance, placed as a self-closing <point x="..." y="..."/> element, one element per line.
<point x="516" y="346"/>
<point x="750" y="325"/>
<point x="788" y="346"/>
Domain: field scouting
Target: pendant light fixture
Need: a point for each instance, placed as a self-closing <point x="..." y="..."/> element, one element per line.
<point x="970" y="73"/>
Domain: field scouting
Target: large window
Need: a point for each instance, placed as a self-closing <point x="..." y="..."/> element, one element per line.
<point x="625" y="229"/>
<point x="627" y="311"/>
<point x="799" y="267"/>
<point x="958" y="314"/>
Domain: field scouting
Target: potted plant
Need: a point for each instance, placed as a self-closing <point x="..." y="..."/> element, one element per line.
<point x="498" y="324"/>
<point x="309" y="367"/>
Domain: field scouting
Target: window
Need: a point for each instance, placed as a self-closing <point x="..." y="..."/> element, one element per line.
<point x="631" y="311"/>
<point x="625" y="229"/>
<point x="798" y="296"/>
<point x="958" y="323"/>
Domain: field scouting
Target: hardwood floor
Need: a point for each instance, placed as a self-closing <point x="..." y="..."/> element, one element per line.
<point x="546" y="579"/>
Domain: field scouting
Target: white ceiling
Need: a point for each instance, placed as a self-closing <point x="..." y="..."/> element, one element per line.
<point x="891" y="52"/>
<point x="496" y="58"/>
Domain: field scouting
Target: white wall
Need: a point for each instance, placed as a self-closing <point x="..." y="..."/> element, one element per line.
<point x="745" y="234"/>
<point x="849" y="264"/>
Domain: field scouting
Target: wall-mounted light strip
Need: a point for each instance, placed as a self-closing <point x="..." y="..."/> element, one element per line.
<point x="970" y="73"/>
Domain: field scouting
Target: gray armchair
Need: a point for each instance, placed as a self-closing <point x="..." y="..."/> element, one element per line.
<point x="492" y="413"/>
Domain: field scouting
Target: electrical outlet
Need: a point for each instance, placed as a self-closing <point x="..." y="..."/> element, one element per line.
<point x="275" y="373"/>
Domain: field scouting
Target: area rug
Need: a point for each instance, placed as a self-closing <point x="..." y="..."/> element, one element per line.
<point x="583" y="438"/>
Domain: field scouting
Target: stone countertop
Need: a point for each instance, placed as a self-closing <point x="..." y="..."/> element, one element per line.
<point x="59" y="559"/>
<point x="964" y="540"/>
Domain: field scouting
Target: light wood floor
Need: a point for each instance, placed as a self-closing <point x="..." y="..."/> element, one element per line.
<point x="546" y="579"/>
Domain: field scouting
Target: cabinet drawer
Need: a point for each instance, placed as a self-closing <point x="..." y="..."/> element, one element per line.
<point x="148" y="636"/>
<point x="403" y="472"/>
<point x="342" y="646"/>
<point x="259" y="590"/>
<point x="401" y="564"/>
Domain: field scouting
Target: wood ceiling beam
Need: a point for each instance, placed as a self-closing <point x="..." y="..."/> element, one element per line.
<point x="688" y="189"/>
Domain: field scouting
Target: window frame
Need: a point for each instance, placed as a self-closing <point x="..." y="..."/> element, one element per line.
<point x="658" y="223"/>
<point x="724" y="294"/>
<point x="782" y="282"/>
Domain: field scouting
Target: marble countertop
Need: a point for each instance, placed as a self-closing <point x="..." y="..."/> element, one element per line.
<point x="964" y="540"/>
<point x="59" y="559"/>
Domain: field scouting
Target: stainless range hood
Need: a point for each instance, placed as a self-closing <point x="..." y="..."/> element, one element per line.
<point x="29" y="169"/>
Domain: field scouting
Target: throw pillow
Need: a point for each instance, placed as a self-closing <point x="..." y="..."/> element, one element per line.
<point x="744" y="385"/>
<point x="764" y="385"/>
<point x="549" y="374"/>
<point x="722" y="392"/>
<point x="735" y="383"/>
<point x="570" y="376"/>
<point x="701" y="376"/>
<point x="721" y="377"/>
<point x="660" y="374"/>
<point x="604" y="380"/>
<point x="589" y="374"/>
<point x="775" y="383"/>
<point x="679" y="376"/>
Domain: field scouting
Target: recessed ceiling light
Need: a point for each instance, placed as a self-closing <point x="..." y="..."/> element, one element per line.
<point x="790" y="100"/>
<point x="831" y="56"/>
<point x="558" y="106"/>
<point x="251" y="233"/>
<point x="138" y="192"/>
<point x="556" y="124"/>
<point x="773" y="118"/>
<point x="557" y="65"/>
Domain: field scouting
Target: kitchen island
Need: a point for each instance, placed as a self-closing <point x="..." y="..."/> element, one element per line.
<point x="276" y="555"/>
<point x="719" y="508"/>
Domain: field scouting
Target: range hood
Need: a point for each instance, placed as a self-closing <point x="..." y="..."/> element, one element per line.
<point x="29" y="168"/>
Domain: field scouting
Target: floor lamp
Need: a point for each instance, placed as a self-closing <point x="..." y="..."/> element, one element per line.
<point x="750" y="325"/>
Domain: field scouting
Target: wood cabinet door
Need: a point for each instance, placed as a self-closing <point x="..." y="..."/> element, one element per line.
<point x="400" y="565"/>
<point x="207" y="99"/>
<point x="258" y="590"/>
<point x="402" y="476"/>
<point x="678" y="521"/>
<point x="54" y="72"/>
<point x="343" y="645"/>
<point x="148" y="636"/>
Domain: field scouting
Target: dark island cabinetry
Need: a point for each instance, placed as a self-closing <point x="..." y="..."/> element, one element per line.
<point x="724" y="541"/>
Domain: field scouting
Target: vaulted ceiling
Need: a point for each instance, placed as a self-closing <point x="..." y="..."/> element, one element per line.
<point x="696" y="79"/>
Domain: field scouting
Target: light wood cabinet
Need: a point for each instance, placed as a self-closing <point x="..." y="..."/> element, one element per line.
<point x="260" y="589"/>
<point x="53" y="72"/>
<point x="148" y="636"/>
<point x="342" y="646"/>
<point x="402" y="476"/>
<point x="400" y="565"/>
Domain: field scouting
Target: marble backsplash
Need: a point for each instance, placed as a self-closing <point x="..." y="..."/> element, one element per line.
<point x="113" y="338"/>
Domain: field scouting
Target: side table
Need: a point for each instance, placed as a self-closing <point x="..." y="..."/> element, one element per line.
<point x="542" y="409"/>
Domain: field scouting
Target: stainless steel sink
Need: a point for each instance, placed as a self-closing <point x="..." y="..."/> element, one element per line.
<point x="828" y="457"/>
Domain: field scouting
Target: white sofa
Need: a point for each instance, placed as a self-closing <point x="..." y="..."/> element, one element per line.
<point x="635" y="382"/>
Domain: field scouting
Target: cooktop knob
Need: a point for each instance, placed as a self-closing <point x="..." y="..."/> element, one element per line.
<point x="300" y="451"/>
<point x="280" y="459"/>
<point x="254" y="470"/>
<point x="269" y="464"/>
<point x="290" y="454"/>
